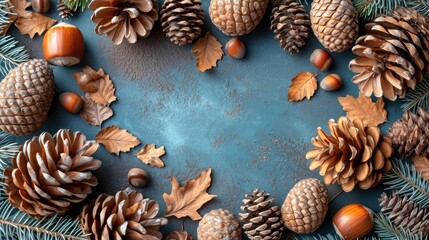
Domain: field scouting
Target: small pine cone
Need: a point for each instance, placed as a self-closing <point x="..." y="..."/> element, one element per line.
<point x="182" y="20"/>
<point x="127" y="215"/>
<point x="335" y="23"/>
<point x="405" y="213"/>
<point x="260" y="220"/>
<point x="353" y="154"/>
<point x="305" y="206"/>
<point x="291" y="25"/>
<point x="63" y="11"/>
<point x="49" y="174"/>
<point x="219" y="224"/>
<point x="410" y="135"/>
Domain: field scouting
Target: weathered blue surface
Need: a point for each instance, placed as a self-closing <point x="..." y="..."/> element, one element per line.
<point x="235" y="119"/>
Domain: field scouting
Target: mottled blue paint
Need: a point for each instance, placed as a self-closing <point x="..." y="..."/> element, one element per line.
<point x="235" y="119"/>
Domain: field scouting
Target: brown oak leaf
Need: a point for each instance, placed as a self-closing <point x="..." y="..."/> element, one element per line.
<point x="94" y="113"/>
<point x="421" y="163"/>
<point x="19" y="7"/>
<point x="34" y="24"/>
<point x="363" y="108"/>
<point x="116" y="140"/>
<point x="303" y="85"/>
<point x="207" y="51"/>
<point x="179" y="235"/>
<point x="105" y="93"/>
<point x="149" y="155"/>
<point x="187" y="200"/>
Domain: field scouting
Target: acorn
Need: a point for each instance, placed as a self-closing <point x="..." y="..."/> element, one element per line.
<point x="71" y="102"/>
<point x="353" y="221"/>
<point x="331" y="82"/>
<point x="321" y="59"/>
<point x="41" y="6"/>
<point x="138" y="177"/>
<point x="63" y="45"/>
<point x="87" y="82"/>
<point x="235" y="48"/>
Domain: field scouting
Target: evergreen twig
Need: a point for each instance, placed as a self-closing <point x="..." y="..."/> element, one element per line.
<point x="419" y="97"/>
<point x="385" y="229"/>
<point x="369" y="9"/>
<point x="3" y="14"/>
<point x="11" y="54"/>
<point x="405" y="179"/>
<point x="77" y="4"/>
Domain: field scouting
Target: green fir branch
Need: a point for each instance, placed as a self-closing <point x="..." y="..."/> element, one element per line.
<point x="17" y="225"/>
<point x="11" y="54"/>
<point x="318" y="237"/>
<point x="385" y="229"/>
<point x="419" y="97"/>
<point x="370" y="9"/>
<point x="3" y="13"/>
<point x="76" y="4"/>
<point x="404" y="178"/>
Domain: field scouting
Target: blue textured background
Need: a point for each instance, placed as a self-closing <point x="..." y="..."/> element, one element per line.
<point x="235" y="118"/>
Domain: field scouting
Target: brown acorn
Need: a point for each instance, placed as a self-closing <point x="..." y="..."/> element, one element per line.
<point x="235" y="48"/>
<point x="353" y="221"/>
<point x="331" y="82"/>
<point x="41" y="6"/>
<point x="321" y="59"/>
<point x="87" y="81"/>
<point x="138" y="177"/>
<point x="71" y="102"/>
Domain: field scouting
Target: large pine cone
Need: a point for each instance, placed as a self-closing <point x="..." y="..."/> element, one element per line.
<point x="353" y="154"/>
<point x="261" y="220"/>
<point x="335" y="23"/>
<point x="127" y="215"/>
<point x="305" y="206"/>
<point x="182" y="20"/>
<point x="291" y="25"/>
<point x="25" y="97"/>
<point x="405" y="213"/>
<point x="219" y="224"/>
<point x="121" y="19"/>
<point x="410" y="135"/>
<point x="393" y="55"/>
<point x="237" y="17"/>
<point x="49" y="174"/>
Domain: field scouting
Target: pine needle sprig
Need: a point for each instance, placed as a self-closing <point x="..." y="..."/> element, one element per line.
<point x="385" y="229"/>
<point x="11" y="54"/>
<point x="370" y="9"/>
<point x="77" y="4"/>
<point x="318" y="237"/>
<point x="419" y="97"/>
<point x="3" y="13"/>
<point x="8" y="149"/>
<point x="406" y="181"/>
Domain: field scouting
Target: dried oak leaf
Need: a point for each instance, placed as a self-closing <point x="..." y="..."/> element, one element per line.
<point x="94" y="113"/>
<point x="179" y="235"/>
<point x="185" y="201"/>
<point x="207" y="51"/>
<point x="19" y="7"/>
<point x="363" y="108"/>
<point x="34" y="24"/>
<point x="105" y="93"/>
<point x="116" y="140"/>
<point x="303" y="85"/>
<point x="421" y="163"/>
<point x="149" y="155"/>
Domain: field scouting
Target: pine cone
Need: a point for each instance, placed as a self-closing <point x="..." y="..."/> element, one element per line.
<point x="410" y="135"/>
<point x="291" y="25"/>
<point x="219" y="224"/>
<point x="305" y="206"/>
<point x="64" y="11"/>
<point x="260" y="220"/>
<point x="127" y="215"/>
<point x="178" y="235"/>
<point x="49" y="174"/>
<point x="353" y="154"/>
<point x="393" y="55"/>
<point x="25" y="97"/>
<point x="121" y="19"/>
<point x="405" y="213"/>
<point x="182" y="20"/>
<point x="335" y="23"/>
<point x="238" y="17"/>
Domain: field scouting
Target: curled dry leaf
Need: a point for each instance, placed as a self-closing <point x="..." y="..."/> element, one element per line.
<point x="303" y="85"/>
<point x="105" y="93"/>
<point x="116" y="140"/>
<point x="421" y="163"/>
<point x="149" y="155"/>
<point x="207" y="51"/>
<point x="185" y="201"/>
<point x="363" y="108"/>
<point x="94" y="113"/>
<point x="179" y="235"/>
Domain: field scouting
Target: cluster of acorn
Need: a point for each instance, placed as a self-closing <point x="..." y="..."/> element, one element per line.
<point x="303" y="211"/>
<point x="322" y="60"/>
